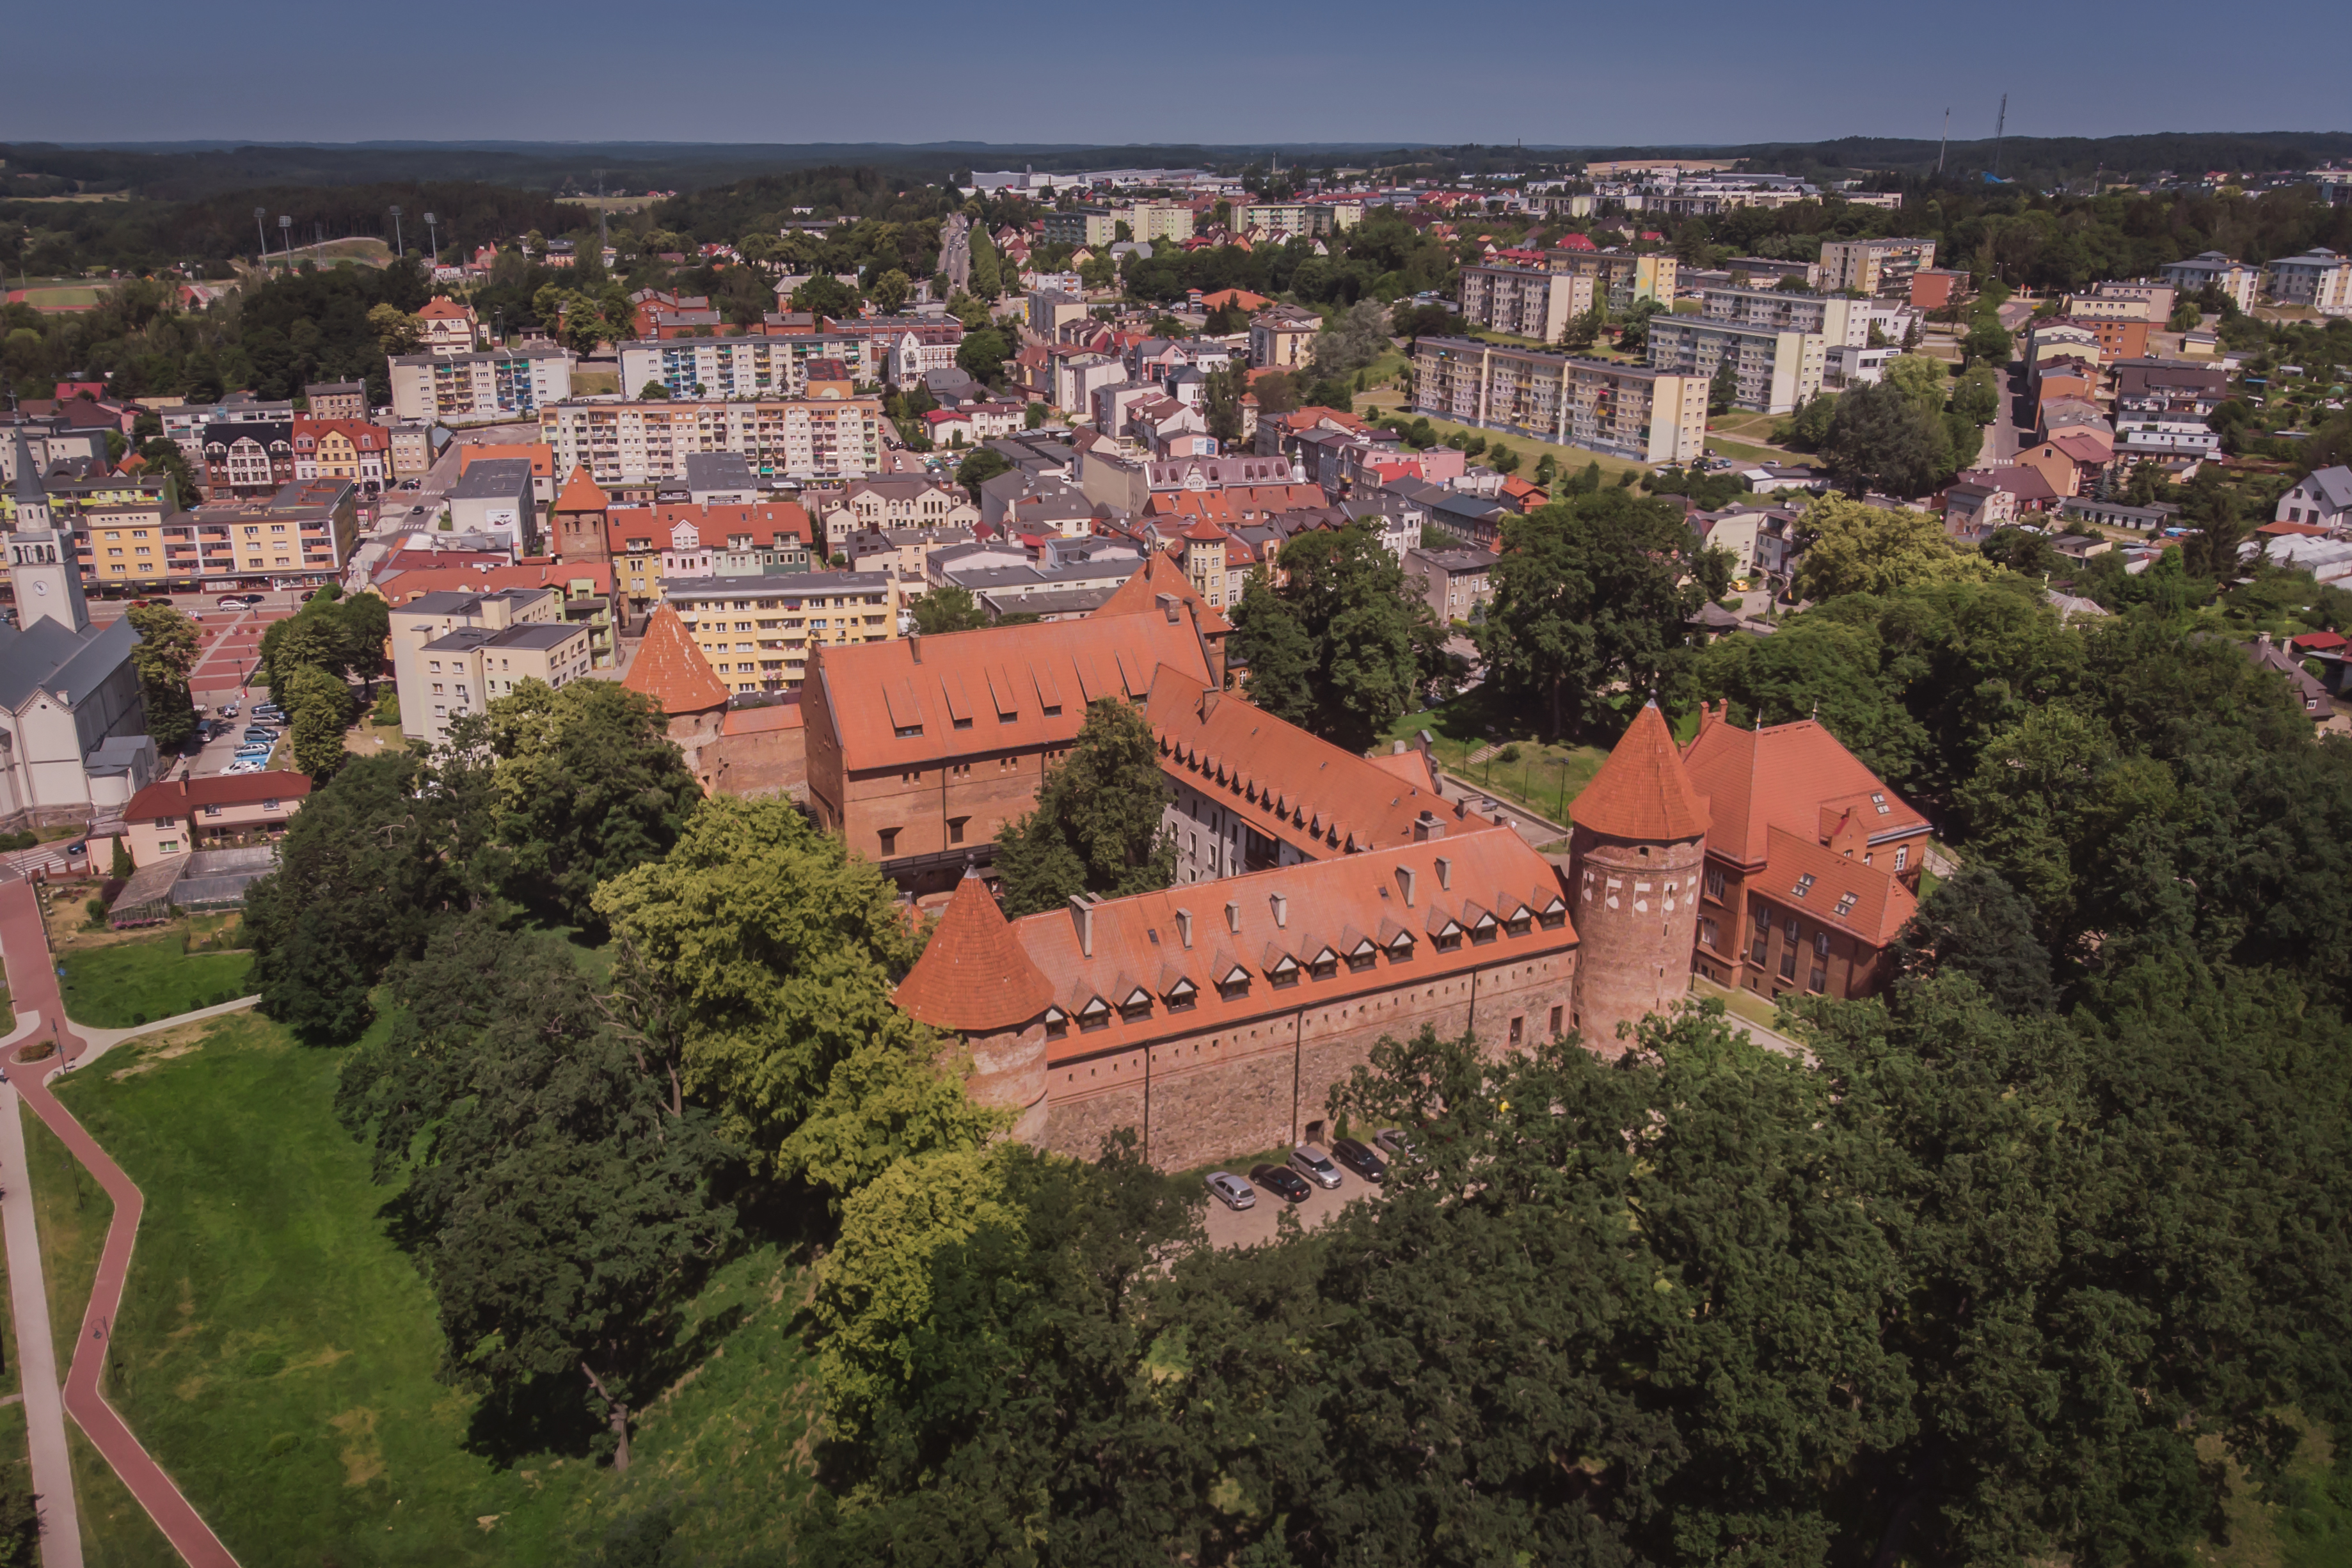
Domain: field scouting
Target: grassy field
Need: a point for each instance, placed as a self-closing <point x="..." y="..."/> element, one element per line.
<point x="2310" y="1524"/>
<point x="278" y="1353"/>
<point x="589" y="383"/>
<point x="1571" y="459"/>
<point x="156" y="976"/>
<point x="61" y="296"/>
<point x="1543" y="779"/>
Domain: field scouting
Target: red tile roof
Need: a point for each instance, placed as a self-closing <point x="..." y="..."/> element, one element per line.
<point x="1283" y="782"/>
<point x="581" y="492"/>
<point x="2318" y="642"/>
<point x="1354" y="905"/>
<point x="1139" y="594"/>
<point x="1838" y="890"/>
<point x="363" y="434"/>
<point x="715" y="522"/>
<point x="762" y="720"/>
<point x="1642" y="793"/>
<point x="441" y="307"/>
<point x="973" y="975"/>
<point x="1236" y="503"/>
<point x="1783" y="775"/>
<point x="537" y="453"/>
<point x="399" y="582"/>
<point x="179" y="798"/>
<point x="671" y="669"/>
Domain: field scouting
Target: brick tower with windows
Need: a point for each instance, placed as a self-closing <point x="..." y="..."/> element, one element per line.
<point x="1636" y="851"/>
<point x="974" y="981"/>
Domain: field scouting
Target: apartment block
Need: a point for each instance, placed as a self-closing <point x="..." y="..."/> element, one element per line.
<point x="1287" y="217"/>
<point x="1080" y="225"/>
<point x="744" y="367"/>
<point x="1646" y="414"/>
<point x="1777" y="370"/>
<point x="780" y="438"/>
<point x="1875" y="266"/>
<point x="2318" y="278"/>
<point x="757" y="632"/>
<point x="479" y="388"/>
<point x="1526" y="301"/>
<point x="302" y="534"/>
<point x="1624" y="276"/>
<point x="1839" y="321"/>
<point x="2211" y="269"/>
<point x="337" y="400"/>
<point x="1151" y="222"/>
<point x="453" y="653"/>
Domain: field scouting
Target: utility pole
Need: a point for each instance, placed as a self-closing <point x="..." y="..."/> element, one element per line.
<point x="603" y="236"/>
<point x="1941" y="142"/>
<point x="399" y="247"/>
<point x="286" y="239"/>
<point x="259" y="214"/>
<point x="1999" y="127"/>
<point x="435" y="235"/>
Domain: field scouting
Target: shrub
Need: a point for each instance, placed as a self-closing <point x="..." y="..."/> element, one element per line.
<point x="387" y="707"/>
<point x="96" y="910"/>
<point x="1508" y="754"/>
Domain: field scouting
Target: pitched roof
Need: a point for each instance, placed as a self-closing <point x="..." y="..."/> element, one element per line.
<point x="1838" y="890"/>
<point x="1351" y="905"/>
<point x="973" y="975"/>
<point x="1641" y="792"/>
<point x="441" y="307"/>
<point x="715" y="522"/>
<point x="400" y="580"/>
<point x="1141" y="593"/>
<point x="179" y="796"/>
<point x="1282" y="781"/>
<point x="1781" y="777"/>
<point x="672" y="671"/>
<point x="898" y="704"/>
<point x="581" y="492"/>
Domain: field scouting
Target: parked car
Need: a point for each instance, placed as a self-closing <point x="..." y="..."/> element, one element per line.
<point x="1360" y="1160"/>
<point x="1398" y="1144"/>
<point x="1230" y="1190"/>
<point x="260" y="732"/>
<point x="253" y="753"/>
<point x="237" y="601"/>
<point x="229" y="710"/>
<point x="270" y="711"/>
<point x="206" y="729"/>
<point x="1309" y="1161"/>
<point x="1281" y="1181"/>
<point x="249" y="765"/>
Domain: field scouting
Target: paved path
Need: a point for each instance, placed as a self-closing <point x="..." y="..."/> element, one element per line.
<point x="36" y="1351"/>
<point x="33" y="983"/>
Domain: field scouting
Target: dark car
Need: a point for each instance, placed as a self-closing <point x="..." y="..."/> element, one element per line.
<point x="1281" y="1181"/>
<point x="1360" y="1160"/>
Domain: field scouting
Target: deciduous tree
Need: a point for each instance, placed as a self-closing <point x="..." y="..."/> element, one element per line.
<point x="1338" y="648"/>
<point x="1096" y="826"/>
<point x="164" y="656"/>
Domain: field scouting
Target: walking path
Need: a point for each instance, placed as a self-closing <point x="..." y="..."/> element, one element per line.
<point x="37" y="1351"/>
<point x="33" y="983"/>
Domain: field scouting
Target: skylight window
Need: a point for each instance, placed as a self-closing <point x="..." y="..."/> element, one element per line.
<point x="1846" y="901"/>
<point x="1804" y="884"/>
<point x="1880" y="802"/>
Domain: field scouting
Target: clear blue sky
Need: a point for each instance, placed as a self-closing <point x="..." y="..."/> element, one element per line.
<point x="1214" y="72"/>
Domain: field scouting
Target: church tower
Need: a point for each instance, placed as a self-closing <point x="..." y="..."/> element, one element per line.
<point x="1637" y="852"/>
<point x="41" y="564"/>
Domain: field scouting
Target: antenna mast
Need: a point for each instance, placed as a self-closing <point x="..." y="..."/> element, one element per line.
<point x="1998" y="127"/>
<point x="1942" y="141"/>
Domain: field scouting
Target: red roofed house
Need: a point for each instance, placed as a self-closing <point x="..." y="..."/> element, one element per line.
<point x="1811" y="865"/>
<point x="179" y="816"/>
<point x="537" y="453"/>
<point x="578" y="519"/>
<point x="2319" y="642"/>
<point x="449" y="328"/>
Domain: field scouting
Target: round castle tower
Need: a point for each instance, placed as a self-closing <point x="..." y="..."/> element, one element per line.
<point x="1637" y="850"/>
<point x="974" y="981"/>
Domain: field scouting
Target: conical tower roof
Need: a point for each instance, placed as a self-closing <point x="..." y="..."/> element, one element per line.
<point x="974" y="977"/>
<point x="582" y="493"/>
<point x="29" y="474"/>
<point x="1641" y="792"/>
<point x="672" y="671"/>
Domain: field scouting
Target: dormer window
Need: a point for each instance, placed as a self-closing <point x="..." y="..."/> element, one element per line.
<point x="1361" y="957"/>
<point x="1325" y="964"/>
<point x="1233" y="984"/>
<point x="1447" y="937"/>
<point x="1846" y="901"/>
<point x="1284" y="972"/>
<point x="1483" y="928"/>
<point x="1095" y="1015"/>
<point x="1401" y="948"/>
<point x="1181" y="996"/>
<point x="1057" y="1023"/>
<point x="1879" y="800"/>
<point x="1136" y="1005"/>
<point x="907" y="731"/>
<point x="1554" y="915"/>
<point x="1520" y="921"/>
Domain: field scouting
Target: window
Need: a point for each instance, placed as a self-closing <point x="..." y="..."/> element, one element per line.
<point x="1714" y="883"/>
<point x="1804" y="885"/>
<point x="1846" y="901"/>
<point x="1902" y="857"/>
<point x="955" y="829"/>
<point x="1760" y="922"/>
<point x="1095" y="1015"/>
<point x="907" y="731"/>
<point x="1285" y="973"/>
<point x="889" y="837"/>
<point x="1706" y="931"/>
<point x="1789" y="954"/>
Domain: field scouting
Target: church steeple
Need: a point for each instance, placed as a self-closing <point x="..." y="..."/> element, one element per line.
<point x="42" y="565"/>
<point x="32" y="496"/>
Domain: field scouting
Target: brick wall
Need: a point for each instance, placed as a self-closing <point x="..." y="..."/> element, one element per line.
<point x="1636" y="908"/>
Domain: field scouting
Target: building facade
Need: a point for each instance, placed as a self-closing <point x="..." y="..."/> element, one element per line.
<point x="1875" y="266"/>
<point x="478" y="388"/>
<point x="1646" y="414"/>
<point x="2318" y="279"/>
<point x="1778" y="371"/>
<point x="634" y="443"/>
<point x="735" y="369"/>
<point x="759" y="634"/>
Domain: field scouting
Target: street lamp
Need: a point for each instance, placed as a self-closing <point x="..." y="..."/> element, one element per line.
<point x="286" y="239"/>
<point x="259" y="214"/>
<point x="435" y="235"/>
<point x="398" y="248"/>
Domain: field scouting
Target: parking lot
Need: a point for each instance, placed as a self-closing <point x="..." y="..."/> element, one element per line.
<point x="1248" y="1227"/>
<point x="221" y="750"/>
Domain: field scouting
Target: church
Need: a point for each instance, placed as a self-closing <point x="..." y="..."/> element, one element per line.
<point x="73" y="742"/>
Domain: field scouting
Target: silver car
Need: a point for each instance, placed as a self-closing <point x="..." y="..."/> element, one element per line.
<point x="1396" y="1142"/>
<point x="1309" y="1161"/>
<point x="1230" y="1190"/>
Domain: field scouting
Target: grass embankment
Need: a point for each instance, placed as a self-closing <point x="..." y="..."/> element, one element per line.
<point x="277" y="1351"/>
<point x="131" y="982"/>
<point x="1541" y="777"/>
<point x="1373" y="404"/>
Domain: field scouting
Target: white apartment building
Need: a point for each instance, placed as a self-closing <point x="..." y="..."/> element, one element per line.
<point x="1837" y="319"/>
<point x="729" y="368"/>
<point x="1649" y="415"/>
<point x="1778" y="371"/>
<point x="1875" y="266"/>
<point x="2318" y="278"/>
<point x="780" y="438"/>
<point x="478" y="388"/>
<point x="1526" y="301"/>
<point x="2235" y="279"/>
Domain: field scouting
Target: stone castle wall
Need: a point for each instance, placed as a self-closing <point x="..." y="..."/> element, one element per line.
<point x="1636" y="907"/>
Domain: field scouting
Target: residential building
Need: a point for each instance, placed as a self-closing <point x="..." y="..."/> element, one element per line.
<point x="1079" y="225"/>
<point x="1843" y="366"/>
<point x="1777" y="370"/>
<point x="184" y="425"/>
<point x="341" y="447"/>
<point x="1305" y="218"/>
<point x="247" y="458"/>
<point x="1455" y="583"/>
<point x="1935" y="289"/>
<point x="1875" y="266"/>
<point x="584" y="590"/>
<point x="220" y="812"/>
<point x="2323" y="497"/>
<point x="1525" y="301"/>
<point x="759" y="634"/>
<point x="301" y="536"/>
<point x="638" y="443"/>
<point x="1759" y="272"/>
<point x="1283" y="339"/>
<point x="51" y="443"/>
<point x="2318" y="279"/>
<point x="336" y="399"/>
<point x="478" y="388"/>
<point x="1649" y="415"/>
<point x="1049" y="309"/>
<point x="413" y="448"/>
<point x="736" y="369"/>
<point x="452" y="652"/>
<point x="1836" y="320"/>
<point x="2155" y="300"/>
<point x="2211" y="269"/>
<point x="1623" y="277"/>
<point x="537" y="453"/>
<point x="447" y="327"/>
<point x="495" y="497"/>
<point x="898" y="502"/>
<point x="1151" y="222"/>
<point x="905" y="349"/>
<point x="1973" y="513"/>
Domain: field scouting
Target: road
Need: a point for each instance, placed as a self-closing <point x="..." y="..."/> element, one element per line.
<point x="36" y="1353"/>
<point x="2015" y="427"/>
<point x="33" y="983"/>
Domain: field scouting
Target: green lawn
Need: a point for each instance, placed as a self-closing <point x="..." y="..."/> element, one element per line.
<point x="127" y="983"/>
<point x="277" y="1351"/>
<point x="1544" y="777"/>
<point x="1373" y="404"/>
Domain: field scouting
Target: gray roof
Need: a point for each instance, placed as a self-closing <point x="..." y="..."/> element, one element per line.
<point x="718" y="471"/>
<point x="493" y="477"/>
<point x="2335" y="486"/>
<point x="47" y="656"/>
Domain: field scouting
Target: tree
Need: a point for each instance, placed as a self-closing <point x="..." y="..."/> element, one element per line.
<point x="981" y="355"/>
<point x="1976" y="396"/>
<point x="2186" y="315"/>
<point x="1810" y="426"/>
<point x="1921" y="379"/>
<point x="755" y="963"/>
<point x="1590" y="593"/>
<point x="1987" y="343"/>
<point x="319" y="707"/>
<point x="1351" y="340"/>
<point x="396" y="331"/>
<point x="578" y="785"/>
<point x="890" y="290"/>
<point x="984" y="463"/>
<point x="1337" y="648"/>
<point x="571" y="1210"/>
<point x="1222" y="393"/>
<point x="1879" y="439"/>
<point x="1097" y="827"/>
<point x="1723" y="387"/>
<point x="363" y="877"/>
<point x="987" y="281"/>
<point x="1974" y="923"/>
<point x="1583" y="331"/>
<point x="1861" y="548"/>
<point x="2218" y="529"/>
<point x="825" y="295"/>
<point x="160" y="456"/>
<point x="948" y="610"/>
<point x="164" y="656"/>
<point x="1818" y="668"/>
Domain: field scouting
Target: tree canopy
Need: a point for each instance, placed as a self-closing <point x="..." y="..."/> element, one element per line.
<point x="1096" y="824"/>
<point x="1337" y="647"/>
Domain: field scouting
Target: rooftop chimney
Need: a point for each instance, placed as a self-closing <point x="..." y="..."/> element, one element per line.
<point x="1082" y="915"/>
<point x="1184" y="927"/>
<point x="1232" y="917"/>
<point x="1444" y="873"/>
<point x="1168" y="602"/>
<point x="1404" y="881"/>
<point x="915" y="645"/>
<point x="1281" y="910"/>
<point x="1426" y="827"/>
